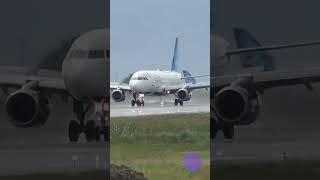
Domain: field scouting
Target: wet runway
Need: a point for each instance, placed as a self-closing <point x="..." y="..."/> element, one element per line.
<point x="157" y="110"/>
<point x="158" y="106"/>
<point x="53" y="158"/>
<point x="47" y="149"/>
<point x="287" y="128"/>
<point x="239" y="152"/>
<point x="262" y="142"/>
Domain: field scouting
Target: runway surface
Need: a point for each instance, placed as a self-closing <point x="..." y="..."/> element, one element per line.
<point x="262" y="142"/>
<point x="253" y="152"/>
<point x="158" y="109"/>
<point x="288" y="126"/>
<point x="47" y="149"/>
<point x="59" y="158"/>
<point x="157" y="106"/>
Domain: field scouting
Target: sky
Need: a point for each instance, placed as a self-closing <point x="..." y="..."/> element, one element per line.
<point x="39" y="26"/>
<point x="272" y="22"/>
<point x="143" y="34"/>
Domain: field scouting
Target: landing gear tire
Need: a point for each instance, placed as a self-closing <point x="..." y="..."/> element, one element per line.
<point x="90" y="131"/>
<point x="142" y="103"/>
<point x="228" y="132"/>
<point x="181" y="102"/>
<point x="97" y="134"/>
<point x="176" y="102"/>
<point x="74" y="131"/>
<point x="133" y="102"/>
<point x="138" y="103"/>
<point x="106" y="134"/>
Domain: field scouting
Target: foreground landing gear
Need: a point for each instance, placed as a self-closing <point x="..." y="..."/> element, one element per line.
<point x="228" y="132"/>
<point x="178" y="101"/>
<point x="91" y="128"/>
<point x="227" y="129"/>
<point x="74" y="131"/>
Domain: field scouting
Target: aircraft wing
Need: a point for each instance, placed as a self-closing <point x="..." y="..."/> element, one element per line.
<point x="267" y="48"/>
<point x="14" y="77"/>
<point x="190" y="87"/>
<point x="271" y="79"/>
<point x="196" y="76"/>
<point x="124" y="87"/>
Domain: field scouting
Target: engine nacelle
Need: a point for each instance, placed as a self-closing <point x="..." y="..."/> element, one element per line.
<point x="118" y="95"/>
<point x="27" y="108"/>
<point x="184" y="94"/>
<point x="238" y="103"/>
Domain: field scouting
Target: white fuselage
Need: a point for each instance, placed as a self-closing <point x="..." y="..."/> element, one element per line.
<point x="86" y="79"/>
<point x="154" y="82"/>
<point x="86" y="67"/>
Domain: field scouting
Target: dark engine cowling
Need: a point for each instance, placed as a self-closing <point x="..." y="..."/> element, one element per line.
<point x="118" y="95"/>
<point x="184" y="94"/>
<point x="27" y="108"/>
<point x="238" y="103"/>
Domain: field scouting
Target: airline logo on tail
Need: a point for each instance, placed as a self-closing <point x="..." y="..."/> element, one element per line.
<point x="174" y="66"/>
<point x="244" y="39"/>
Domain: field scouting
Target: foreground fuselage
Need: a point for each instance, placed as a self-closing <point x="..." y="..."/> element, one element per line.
<point x="85" y="68"/>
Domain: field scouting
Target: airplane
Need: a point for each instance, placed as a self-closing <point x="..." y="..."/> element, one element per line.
<point x="251" y="52"/>
<point x="236" y="99"/>
<point x="84" y="79"/>
<point x="159" y="83"/>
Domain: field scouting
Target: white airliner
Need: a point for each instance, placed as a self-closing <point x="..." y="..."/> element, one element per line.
<point x="84" y="78"/>
<point x="236" y="98"/>
<point x="159" y="83"/>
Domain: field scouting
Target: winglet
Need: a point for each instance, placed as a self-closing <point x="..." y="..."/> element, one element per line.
<point x="244" y="39"/>
<point x="188" y="77"/>
<point x="174" y="66"/>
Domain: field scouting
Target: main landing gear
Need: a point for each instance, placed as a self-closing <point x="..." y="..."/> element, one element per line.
<point x="92" y="129"/>
<point x="227" y="129"/>
<point x="178" y="101"/>
<point x="139" y="101"/>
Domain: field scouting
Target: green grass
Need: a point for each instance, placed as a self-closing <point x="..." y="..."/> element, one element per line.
<point x="291" y="169"/>
<point x="155" y="145"/>
<point x="96" y="175"/>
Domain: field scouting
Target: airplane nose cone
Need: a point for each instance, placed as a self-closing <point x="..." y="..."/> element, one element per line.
<point x="134" y="86"/>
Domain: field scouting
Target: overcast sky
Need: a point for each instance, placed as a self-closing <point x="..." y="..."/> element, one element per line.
<point x="143" y="33"/>
<point x="41" y="25"/>
<point x="272" y="22"/>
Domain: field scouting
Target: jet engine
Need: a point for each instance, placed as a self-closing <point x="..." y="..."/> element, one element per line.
<point x="184" y="94"/>
<point x="118" y="95"/>
<point x="238" y="103"/>
<point x="27" y="108"/>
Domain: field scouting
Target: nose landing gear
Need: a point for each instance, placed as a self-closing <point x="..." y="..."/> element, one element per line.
<point x="139" y="100"/>
<point x="92" y="129"/>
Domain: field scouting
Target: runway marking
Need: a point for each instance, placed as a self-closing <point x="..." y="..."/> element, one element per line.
<point x="236" y="158"/>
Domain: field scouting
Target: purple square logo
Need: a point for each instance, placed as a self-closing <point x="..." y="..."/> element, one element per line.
<point x="192" y="162"/>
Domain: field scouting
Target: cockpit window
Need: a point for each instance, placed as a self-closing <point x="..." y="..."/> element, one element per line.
<point x="139" y="78"/>
<point x="94" y="54"/>
<point x="142" y="78"/>
<point x="78" y="54"/>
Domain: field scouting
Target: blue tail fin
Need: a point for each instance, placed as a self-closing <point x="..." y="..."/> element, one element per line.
<point x="189" y="80"/>
<point x="174" y="66"/>
<point x="245" y="39"/>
